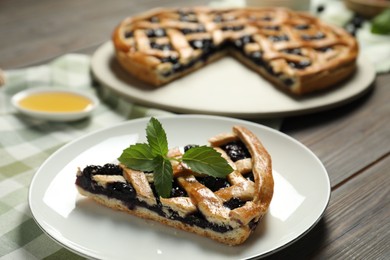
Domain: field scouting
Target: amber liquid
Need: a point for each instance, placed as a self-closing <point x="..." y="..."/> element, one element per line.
<point x="55" y="102"/>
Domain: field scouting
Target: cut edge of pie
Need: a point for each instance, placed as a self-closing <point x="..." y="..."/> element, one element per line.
<point x="327" y="54"/>
<point x="228" y="214"/>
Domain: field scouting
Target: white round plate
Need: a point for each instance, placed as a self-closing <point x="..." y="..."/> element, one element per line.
<point x="54" y="116"/>
<point x="225" y="87"/>
<point x="301" y="195"/>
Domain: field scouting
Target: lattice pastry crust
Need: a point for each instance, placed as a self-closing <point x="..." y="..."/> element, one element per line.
<point x="226" y="210"/>
<point x="294" y="51"/>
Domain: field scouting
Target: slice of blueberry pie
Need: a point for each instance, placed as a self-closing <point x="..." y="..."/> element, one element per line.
<point x="226" y="208"/>
<point x="296" y="52"/>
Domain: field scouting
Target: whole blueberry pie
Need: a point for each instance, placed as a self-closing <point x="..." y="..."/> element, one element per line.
<point x="294" y="51"/>
<point x="226" y="209"/>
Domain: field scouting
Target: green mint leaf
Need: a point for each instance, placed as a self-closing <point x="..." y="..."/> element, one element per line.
<point x="157" y="138"/>
<point x="163" y="176"/>
<point x="138" y="157"/>
<point x="381" y="23"/>
<point x="206" y="160"/>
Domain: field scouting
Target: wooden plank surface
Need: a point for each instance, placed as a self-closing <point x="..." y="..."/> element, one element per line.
<point x="351" y="137"/>
<point x="353" y="141"/>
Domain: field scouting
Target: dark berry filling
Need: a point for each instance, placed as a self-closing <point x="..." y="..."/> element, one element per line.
<point x="126" y="193"/>
<point x="232" y="28"/>
<point x="204" y="44"/>
<point x="272" y="27"/>
<point x="317" y="36"/>
<point x="236" y="150"/>
<point x="193" y="30"/>
<point x="288" y="82"/>
<point x="302" y="26"/>
<point x="295" y="51"/>
<point x="212" y="183"/>
<point x="158" y="32"/>
<point x="154" y="19"/>
<point x="324" y="49"/>
<point x="234" y="203"/>
<point x="129" y="34"/>
<point x="278" y="38"/>
<point x="241" y="42"/>
<point x="189" y="146"/>
<point x="163" y="47"/>
<point x="299" y="65"/>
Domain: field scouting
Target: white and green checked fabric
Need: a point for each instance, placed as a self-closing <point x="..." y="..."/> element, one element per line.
<point x="25" y="143"/>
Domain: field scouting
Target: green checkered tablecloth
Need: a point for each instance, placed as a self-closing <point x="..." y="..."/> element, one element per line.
<point x="25" y="143"/>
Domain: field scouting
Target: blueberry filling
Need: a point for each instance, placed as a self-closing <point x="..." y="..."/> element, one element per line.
<point x="295" y="51"/>
<point x="187" y="17"/>
<point x="234" y="203"/>
<point x="177" y="191"/>
<point x="241" y="42"/>
<point x="154" y="19"/>
<point x="317" y="36"/>
<point x="299" y="65"/>
<point x="209" y="49"/>
<point x="256" y="57"/>
<point x="163" y="47"/>
<point x="189" y="146"/>
<point x="249" y="176"/>
<point x="236" y="150"/>
<point x="126" y="193"/>
<point x="302" y="27"/>
<point x="233" y="28"/>
<point x="288" y="81"/>
<point x="201" y="44"/>
<point x="171" y="59"/>
<point x="278" y="38"/>
<point x="324" y="49"/>
<point x="129" y="34"/>
<point x="193" y="30"/>
<point x="158" y="32"/>
<point x="212" y="183"/>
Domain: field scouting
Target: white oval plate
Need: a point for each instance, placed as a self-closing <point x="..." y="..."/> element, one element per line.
<point x="302" y="192"/>
<point x="225" y="87"/>
<point x="54" y="116"/>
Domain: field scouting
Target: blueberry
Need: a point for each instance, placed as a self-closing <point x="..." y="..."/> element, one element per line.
<point x="278" y="38"/>
<point x="324" y="49"/>
<point x="236" y="150"/>
<point x="302" y="26"/>
<point x="129" y="34"/>
<point x="121" y="190"/>
<point x="158" y="32"/>
<point x="256" y="57"/>
<point x="189" y="146"/>
<point x="317" y="36"/>
<point x="154" y="19"/>
<point x="234" y="203"/>
<point x="213" y="183"/>
<point x="299" y="65"/>
<point x="295" y="51"/>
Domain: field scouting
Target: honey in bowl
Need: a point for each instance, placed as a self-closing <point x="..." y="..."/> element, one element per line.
<point x="55" y="102"/>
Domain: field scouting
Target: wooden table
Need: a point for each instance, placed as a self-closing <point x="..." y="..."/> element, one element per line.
<point x="352" y="141"/>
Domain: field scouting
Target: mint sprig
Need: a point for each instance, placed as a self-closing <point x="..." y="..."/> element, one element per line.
<point x="153" y="157"/>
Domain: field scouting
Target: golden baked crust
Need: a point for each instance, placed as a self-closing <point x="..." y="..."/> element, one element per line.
<point x="249" y="187"/>
<point x="295" y="51"/>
